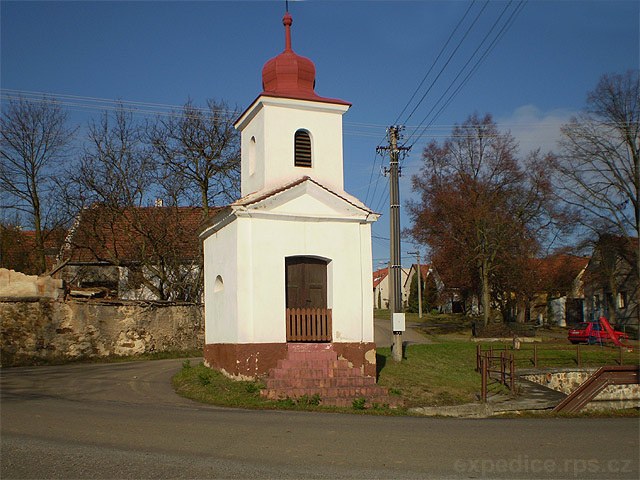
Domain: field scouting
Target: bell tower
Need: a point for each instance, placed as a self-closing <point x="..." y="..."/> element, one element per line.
<point x="289" y="131"/>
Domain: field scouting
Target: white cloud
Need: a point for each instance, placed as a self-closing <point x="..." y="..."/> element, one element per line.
<point x="534" y="129"/>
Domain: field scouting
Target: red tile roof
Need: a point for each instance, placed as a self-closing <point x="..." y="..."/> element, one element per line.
<point x="379" y="275"/>
<point x="557" y="271"/>
<point x="18" y="248"/>
<point x="127" y="235"/>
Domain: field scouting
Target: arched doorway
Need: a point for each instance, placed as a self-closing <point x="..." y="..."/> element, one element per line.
<point x="307" y="316"/>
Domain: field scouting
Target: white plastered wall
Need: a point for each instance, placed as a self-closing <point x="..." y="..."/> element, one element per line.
<point x="256" y="314"/>
<point x="221" y="307"/>
<point x="273" y="123"/>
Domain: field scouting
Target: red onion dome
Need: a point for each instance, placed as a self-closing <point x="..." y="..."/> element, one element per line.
<point x="291" y="75"/>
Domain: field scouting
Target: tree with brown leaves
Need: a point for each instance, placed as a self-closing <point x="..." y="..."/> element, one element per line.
<point x="480" y="208"/>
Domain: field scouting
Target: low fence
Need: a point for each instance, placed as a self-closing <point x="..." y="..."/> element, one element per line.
<point x="309" y="325"/>
<point x="495" y="368"/>
<point x="548" y="355"/>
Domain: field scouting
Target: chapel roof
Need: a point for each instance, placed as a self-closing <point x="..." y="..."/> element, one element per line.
<point x="290" y="75"/>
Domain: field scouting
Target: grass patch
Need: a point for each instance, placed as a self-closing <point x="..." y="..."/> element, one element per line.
<point x="210" y="386"/>
<point x="431" y="375"/>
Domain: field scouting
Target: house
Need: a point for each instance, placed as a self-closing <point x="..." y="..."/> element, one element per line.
<point x="381" y="290"/>
<point x="134" y="253"/>
<point x="611" y="282"/>
<point x="559" y="294"/>
<point x="427" y="273"/>
<point x="18" y="249"/>
<point x="288" y="265"/>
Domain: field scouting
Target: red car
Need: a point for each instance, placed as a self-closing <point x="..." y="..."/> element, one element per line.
<point x="594" y="332"/>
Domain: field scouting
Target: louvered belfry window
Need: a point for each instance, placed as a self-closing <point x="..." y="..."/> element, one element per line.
<point x="302" y="149"/>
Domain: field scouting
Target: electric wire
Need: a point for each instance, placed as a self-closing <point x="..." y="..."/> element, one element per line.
<point x="462" y="70"/>
<point x="480" y="60"/>
<point x="448" y="60"/>
<point x="434" y="63"/>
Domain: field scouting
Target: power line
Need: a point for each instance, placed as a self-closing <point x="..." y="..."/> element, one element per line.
<point x="488" y="50"/>
<point x="434" y="63"/>
<point x="448" y="60"/>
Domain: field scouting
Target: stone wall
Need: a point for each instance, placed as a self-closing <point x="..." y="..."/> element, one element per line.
<point x="567" y="380"/>
<point x="44" y="330"/>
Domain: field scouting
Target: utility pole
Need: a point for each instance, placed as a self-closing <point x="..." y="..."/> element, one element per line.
<point x="417" y="254"/>
<point x="395" y="272"/>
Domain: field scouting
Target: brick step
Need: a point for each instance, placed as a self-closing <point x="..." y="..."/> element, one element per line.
<point x="308" y="347"/>
<point x="320" y="381"/>
<point x="325" y="392"/>
<point x="315" y="363"/>
<point x="391" y="401"/>
<point x="282" y="373"/>
<point x="315" y="355"/>
<point x="339" y="397"/>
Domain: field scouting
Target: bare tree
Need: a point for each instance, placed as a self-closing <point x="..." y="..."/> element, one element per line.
<point x="34" y="141"/>
<point x="598" y="171"/>
<point x="113" y="184"/>
<point x="199" y="151"/>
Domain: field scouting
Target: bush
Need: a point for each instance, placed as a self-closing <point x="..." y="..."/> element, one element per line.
<point x="359" y="403"/>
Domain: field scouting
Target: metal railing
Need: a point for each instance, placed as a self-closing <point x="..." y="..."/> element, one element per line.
<point x="537" y="355"/>
<point x="495" y="369"/>
<point x="608" y="375"/>
<point x="308" y="324"/>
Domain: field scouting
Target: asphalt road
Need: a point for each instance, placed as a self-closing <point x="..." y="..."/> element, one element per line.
<point x="124" y="421"/>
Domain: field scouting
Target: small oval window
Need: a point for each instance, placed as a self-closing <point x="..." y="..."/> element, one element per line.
<point x="218" y="285"/>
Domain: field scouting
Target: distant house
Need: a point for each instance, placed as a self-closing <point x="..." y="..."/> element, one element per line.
<point x="611" y="283"/>
<point x="18" y="249"/>
<point x="139" y="253"/>
<point x="559" y="293"/>
<point x="381" y="290"/>
<point x="426" y="271"/>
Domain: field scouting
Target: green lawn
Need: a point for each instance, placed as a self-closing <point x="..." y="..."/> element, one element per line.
<point x="431" y="375"/>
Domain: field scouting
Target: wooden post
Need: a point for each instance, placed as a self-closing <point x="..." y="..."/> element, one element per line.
<point x="478" y="353"/>
<point x="512" y="371"/>
<point x="490" y="356"/>
<point x="483" y="392"/>
<point x="502" y="369"/>
<point x="579" y="360"/>
<point x="535" y="355"/>
<point x="620" y="350"/>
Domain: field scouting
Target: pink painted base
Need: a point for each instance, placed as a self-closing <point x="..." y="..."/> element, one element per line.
<point x="257" y="359"/>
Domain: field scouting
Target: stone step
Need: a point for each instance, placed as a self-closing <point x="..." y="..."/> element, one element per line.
<point x="308" y="347"/>
<point x="312" y="363"/>
<point x="314" y="369"/>
<point x="320" y="382"/>
<point x="314" y="355"/>
<point x="339" y="397"/>
<point x="325" y="392"/>
<point x="283" y="373"/>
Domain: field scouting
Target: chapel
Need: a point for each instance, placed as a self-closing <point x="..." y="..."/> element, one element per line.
<point x="288" y="266"/>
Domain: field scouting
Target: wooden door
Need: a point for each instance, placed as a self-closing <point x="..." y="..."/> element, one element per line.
<point x="306" y="281"/>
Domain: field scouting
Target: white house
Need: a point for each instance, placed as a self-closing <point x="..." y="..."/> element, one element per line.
<point x="290" y="261"/>
<point x="381" y="291"/>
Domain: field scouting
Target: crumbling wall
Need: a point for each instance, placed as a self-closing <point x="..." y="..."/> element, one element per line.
<point x="42" y="331"/>
<point x="18" y="286"/>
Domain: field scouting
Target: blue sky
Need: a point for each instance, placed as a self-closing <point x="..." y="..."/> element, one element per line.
<point x="371" y="53"/>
